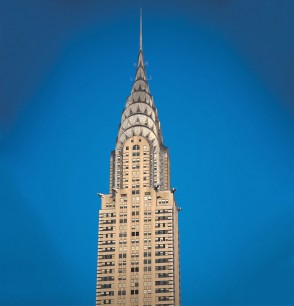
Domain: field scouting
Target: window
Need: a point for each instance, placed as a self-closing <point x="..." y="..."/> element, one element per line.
<point x="135" y="240"/>
<point x="135" y="233"/>
<point x="107" y="278"/>
<point x="162" y="232"/>
<point x="162" y="290"/>
<point x="160" y="253"/>
<point x="161" y="260"/>
<point x="163" y="298"/>
<point x="105" y="286"/>
<point x="134" y="292"/>
<point x="162" y="275"/>
<point x="106" y="257"/>
<point x="136" y="269"/>
<point x="107" y="293"/>
<point x="158" y="268"/>
<point x="108" y="302"/>
<point x="148" y="268"/>
<point x="122" y="292"/>
<point x="160" y="283"/>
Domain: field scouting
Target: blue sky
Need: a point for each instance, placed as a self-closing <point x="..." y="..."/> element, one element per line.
<point x="222" y="80"/>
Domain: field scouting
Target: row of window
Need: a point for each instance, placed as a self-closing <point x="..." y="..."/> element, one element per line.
<point x="107" y="228"/>
<point x="105" y="286"/>
<point x="163" y="211"/>
<point x="157" y="225"/>
<point x="146" y="261"/>
<point x="106" y="249"/>
<point x="133" y="241"/>
<point x="105" y="302"/>
<point x="106" y="278"/>
<point x="136" y="213"/>
<point x="108" y="221"/>
<point x="106" y="264"/>
<point x="107" y="215"/>
<point x="136" y="291"/>
<point x="146" y="254"/>
<point x="106" y="293"/>
<point x="162" y="232"/>
<point x="108" y="236"/>
<point x="107" y="242"/>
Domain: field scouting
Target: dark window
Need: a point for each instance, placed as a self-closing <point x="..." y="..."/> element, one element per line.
<point x="135" y="233"/>
<point x="161" y="253"/>
<point x="161" y="232"/>
<point x="161" y="290"/>
<point x="163" y="275"/>
<point x="160" y="268"/>
<point x="136" y="269"/>
<point x="161" y="260"/>
<point x="105" y="286"/>
<point x="163" y="298"/>
<point x="107" y="278"/>
<point x="106" y="256"/>
<point x="160" y="283"/>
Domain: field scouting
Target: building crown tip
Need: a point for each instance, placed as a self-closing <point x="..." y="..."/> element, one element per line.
<point x="141" y="30"/>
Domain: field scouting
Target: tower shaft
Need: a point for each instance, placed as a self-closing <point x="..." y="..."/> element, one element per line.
<point x="138" y="242"/>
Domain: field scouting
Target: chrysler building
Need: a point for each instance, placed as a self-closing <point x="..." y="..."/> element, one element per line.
<point x="138" y="240"/>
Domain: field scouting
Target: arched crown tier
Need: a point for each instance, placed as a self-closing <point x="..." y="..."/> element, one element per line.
<point x="137" y="131"/>
<point x="140" y="85"/>
<point x="139" y="108"/>
<point x="140" y="96"/>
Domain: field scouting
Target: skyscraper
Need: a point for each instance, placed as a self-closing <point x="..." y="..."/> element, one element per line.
<point x="138" y="241"/>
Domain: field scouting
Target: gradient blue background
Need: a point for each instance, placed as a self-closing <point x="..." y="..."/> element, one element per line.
<point x="222" y="79"/>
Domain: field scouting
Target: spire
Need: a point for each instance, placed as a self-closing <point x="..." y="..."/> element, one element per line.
<point x="141" y="73"/>
<point x="141" y="30"/>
